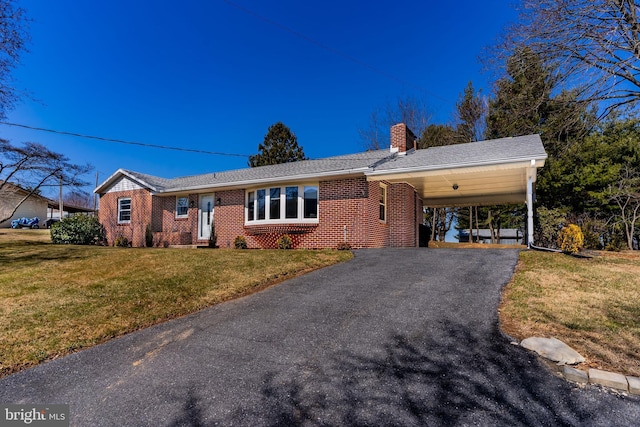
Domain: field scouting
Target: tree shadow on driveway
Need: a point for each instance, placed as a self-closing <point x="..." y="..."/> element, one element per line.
<point x="448" y="378"/>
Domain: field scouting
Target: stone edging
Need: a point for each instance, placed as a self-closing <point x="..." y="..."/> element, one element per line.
<point x="604" y="378"/>
<point x="612" y="380"/>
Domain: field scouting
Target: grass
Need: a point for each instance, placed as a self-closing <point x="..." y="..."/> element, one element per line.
<point x="56" y="299"/>
<point x="593" y="305"/>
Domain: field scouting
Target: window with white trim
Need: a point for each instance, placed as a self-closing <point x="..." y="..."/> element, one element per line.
<point x="383" y="203"/>
<point x="124" y="210"/>
<point x="286" y="204"/>
<point x="182" y="207"/>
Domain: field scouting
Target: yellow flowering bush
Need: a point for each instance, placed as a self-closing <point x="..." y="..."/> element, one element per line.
<point x="570" y="239"/>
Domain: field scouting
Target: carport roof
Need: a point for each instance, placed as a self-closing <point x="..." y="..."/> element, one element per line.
<point x="476" y="173"/>
<point x="486" y="172"/>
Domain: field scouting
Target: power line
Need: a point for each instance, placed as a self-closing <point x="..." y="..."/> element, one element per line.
<point x="162" y="147"/>
<point x="121" y="141"/>
<point x="333" y="50"/>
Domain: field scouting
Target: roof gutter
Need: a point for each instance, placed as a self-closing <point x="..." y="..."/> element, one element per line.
<point x="397" y="171"/>
<point x="258" y="182"/>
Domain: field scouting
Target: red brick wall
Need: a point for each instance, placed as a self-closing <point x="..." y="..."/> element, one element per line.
<point x="141" y="208"/>
<point x="402" y="201"/>
<point x="345" y="207"/>
<point x="228" y="217"/>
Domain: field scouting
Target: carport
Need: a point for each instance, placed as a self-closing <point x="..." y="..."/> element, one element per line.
<point x="480" y="173"/>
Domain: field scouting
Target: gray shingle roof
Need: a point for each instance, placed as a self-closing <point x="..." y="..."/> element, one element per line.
<point x="331" y="165"/>
<point x="482" y="152"/>
<point x="366" y="163"/>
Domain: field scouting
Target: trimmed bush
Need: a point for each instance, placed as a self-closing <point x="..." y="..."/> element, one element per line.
<point x="285" y="242"/>
<point x="240" y="242"/>
<point x="78" y="230"/>
<point x="344" y="246"/>
<point x="122" y="242"/>
<point x="570" y="239"/>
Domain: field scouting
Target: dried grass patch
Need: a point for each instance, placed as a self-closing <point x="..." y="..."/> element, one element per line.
<point x="591" y="304"/>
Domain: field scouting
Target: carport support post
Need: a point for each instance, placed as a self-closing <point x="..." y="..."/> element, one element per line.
<point x="530" y="176"/>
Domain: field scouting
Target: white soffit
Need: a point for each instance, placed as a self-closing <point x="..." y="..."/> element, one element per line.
<point x="465" y="186"/>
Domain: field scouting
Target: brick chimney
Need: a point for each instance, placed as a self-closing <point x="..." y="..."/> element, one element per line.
<point x="402" y="139"/>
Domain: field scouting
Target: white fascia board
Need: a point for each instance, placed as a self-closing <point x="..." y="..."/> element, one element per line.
<point x="258" y="182"/>
<point x="117" y="174"/>
<point x="517" y="162"/>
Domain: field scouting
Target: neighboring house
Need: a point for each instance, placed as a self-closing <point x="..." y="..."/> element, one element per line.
<point x="369" y="199"/>
<point x="508" y="236"/>
<point x="11" y="195"/>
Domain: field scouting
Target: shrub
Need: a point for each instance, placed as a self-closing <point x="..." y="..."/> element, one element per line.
<point x="122" y="242"/>
<point x="285" y="242"/>
<point x="550" y="221"/>
<point x="240" y="242"/>
<point x="78" y="230"/>
<point x="148" y="236"/>
<point x="570" y="239"/>
<point x="344" y="246"/>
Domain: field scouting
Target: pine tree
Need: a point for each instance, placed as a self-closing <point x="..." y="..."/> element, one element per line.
<point x="280" y="145"/>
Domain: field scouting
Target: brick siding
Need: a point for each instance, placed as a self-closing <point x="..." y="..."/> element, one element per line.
<point x="348" y="211"/>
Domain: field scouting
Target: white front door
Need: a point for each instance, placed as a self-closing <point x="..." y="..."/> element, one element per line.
<point x="205" y="216"/>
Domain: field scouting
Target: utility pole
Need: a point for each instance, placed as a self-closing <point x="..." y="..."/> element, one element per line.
<point x="95" y="196"/>
<point x="60" y="204"/>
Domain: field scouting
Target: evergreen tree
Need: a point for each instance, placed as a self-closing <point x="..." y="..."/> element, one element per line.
<point x="437" y="136"/>
<point x="280" y="145"/>
<point x="520" y="104"/>
<point x="471" y="110"/>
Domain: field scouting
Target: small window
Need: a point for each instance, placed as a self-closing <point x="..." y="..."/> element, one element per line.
<point x="124" y="210"/>
<point x="261" y="204"/>
<point x="311" y="202"/>
<point x="251" y="207"/>
<point x="291" y="208"/>
<point x="383" y="203"/>
<point x="182" y="207"/>
<point x="274" y="203"/>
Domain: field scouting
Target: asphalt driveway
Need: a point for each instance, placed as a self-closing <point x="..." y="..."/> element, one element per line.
<point x="394" y="337"/>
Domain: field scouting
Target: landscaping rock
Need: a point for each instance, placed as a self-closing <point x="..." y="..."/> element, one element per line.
<point x="608" y="379"/>
<point x="553" y="349"/>
<point x="575" y="375"/>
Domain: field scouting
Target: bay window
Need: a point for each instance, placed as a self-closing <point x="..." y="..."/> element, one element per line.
<point x="286" y="204"/>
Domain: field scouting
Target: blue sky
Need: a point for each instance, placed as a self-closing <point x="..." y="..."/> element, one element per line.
<point x="209" y="75"/>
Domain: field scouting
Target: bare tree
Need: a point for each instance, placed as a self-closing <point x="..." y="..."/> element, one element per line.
<point x="408" y="110"/>
<point x="13" y="24"/>
<point x="78" y="199"/>
<point x="30" y="167"/>
<point x="594" y="44"/>
<point x="626" y="196"/>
